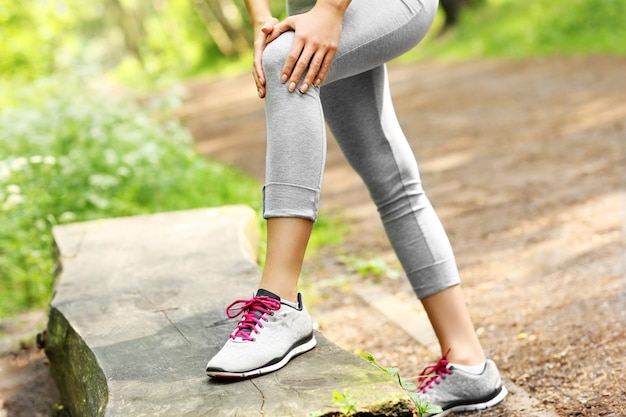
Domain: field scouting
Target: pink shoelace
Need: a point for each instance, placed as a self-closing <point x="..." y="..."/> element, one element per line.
<point x="253" y="310"/>
<point x="431" y="374"/>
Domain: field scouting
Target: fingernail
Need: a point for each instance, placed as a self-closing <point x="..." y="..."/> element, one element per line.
<point x="292" y="87"/>
<point x="317" y="82"/>
<point x="260" y="93"/>
<point x="283" y="78"/>
<point x="304" y="88"/>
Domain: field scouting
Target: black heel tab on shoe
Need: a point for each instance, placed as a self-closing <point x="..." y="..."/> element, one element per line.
<point x="265" y="293"/>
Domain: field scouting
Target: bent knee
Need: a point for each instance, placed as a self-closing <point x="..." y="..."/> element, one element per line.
<point x="275" y="54"/>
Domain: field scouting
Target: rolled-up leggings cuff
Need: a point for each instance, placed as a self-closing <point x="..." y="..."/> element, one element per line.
<point x="434" y="278"/>
<point x="290" y="200"/>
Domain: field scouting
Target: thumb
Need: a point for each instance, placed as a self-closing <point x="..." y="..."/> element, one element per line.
<point x="280" y="28"/>
<point x="268" y="25"/>
<point x="267" y="28"/>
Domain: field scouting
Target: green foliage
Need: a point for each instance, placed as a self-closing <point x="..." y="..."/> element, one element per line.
<point x="175" y="44"/>
<point x="67" y="154"/>
<point x="518" y="29"/>
<point x="30" y="34"/>
<point x="345" y="401"/>
<point x="375" y="267"/>
<point x="141" y="42"/>
<point x="146" y="43"/>
<point x="326" y="231"/>
<point x="422" y="404"/>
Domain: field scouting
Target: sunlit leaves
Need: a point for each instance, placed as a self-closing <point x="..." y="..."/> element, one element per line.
<point x="68" y="154"/>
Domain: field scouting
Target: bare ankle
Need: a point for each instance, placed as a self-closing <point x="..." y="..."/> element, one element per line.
<point x="463" y="358"/>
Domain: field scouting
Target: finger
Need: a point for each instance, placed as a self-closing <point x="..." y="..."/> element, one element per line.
<point x="280" y="28"/>
<point x="257" y="69"/>
<point x="300" y="66"/>
<point x="296" y="62"/>
<point x="257" y="65"/>
<point x="260" y="86"/>
<point x="324" y="68"/>
<point x="312" y="74"/>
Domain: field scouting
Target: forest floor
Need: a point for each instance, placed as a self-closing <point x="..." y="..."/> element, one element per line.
<point x="525" y="163"/>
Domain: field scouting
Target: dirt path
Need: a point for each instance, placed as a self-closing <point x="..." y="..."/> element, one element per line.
<point x="525" y="163"/>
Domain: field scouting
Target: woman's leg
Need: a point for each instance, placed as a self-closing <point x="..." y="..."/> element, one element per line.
<point x="287" y="238"/>
<point x="373" y="33"/>
<point x="295" y="157"/>
<point x="453" y="326"/>
<point x="273" y="329"/>
<point x="361" y="115"/>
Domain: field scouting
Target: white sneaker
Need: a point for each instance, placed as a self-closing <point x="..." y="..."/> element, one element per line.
<point x="456" y="391"/>
<point x="269" y="334"/>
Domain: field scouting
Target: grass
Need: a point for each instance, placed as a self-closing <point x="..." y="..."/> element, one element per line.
<point x="519" y="29"/>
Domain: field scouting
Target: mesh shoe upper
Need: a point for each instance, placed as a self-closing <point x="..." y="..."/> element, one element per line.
<point x="268" y="332"/>
<point x="455" y="390"/>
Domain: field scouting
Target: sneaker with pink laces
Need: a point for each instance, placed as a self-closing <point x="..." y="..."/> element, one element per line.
<point x="269" y="334"/>
<point x="455" y="390"/>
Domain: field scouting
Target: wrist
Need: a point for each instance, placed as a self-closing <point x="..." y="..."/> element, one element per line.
<point x="259" y="12"/>
<point x="258" y="22"/>
<point x="338" y="6"/>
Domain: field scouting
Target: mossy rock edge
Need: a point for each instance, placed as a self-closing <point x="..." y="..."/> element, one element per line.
<point x="74" y="367"/>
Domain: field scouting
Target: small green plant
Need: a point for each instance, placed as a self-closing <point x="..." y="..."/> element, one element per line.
<point x="345" y="401"/>
<point x="375" y="267"/>
<point x="422" y="404"/>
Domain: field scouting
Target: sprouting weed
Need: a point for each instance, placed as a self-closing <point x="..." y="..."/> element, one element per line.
<point x="423" y="406"/>
<point x="345" y="401"/>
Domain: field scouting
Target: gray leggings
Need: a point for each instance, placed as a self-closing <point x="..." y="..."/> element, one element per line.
<point x="355" y="102"/>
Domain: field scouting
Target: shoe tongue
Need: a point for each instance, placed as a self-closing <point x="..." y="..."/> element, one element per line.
<point x="257" y="314"/>
<point x="265" y="293"/>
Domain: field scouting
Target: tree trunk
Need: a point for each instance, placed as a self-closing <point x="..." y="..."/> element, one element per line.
<point x="215" y="31"/>
<point x="132" y="29"/>
<point x="228" y="15"/>
<point x="228" y="34"/>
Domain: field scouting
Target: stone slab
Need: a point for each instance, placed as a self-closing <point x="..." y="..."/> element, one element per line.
<point x="140" y="306"/>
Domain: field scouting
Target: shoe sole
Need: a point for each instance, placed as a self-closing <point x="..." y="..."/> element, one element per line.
<point x="305" y="347"/>
<point x="474" y="407"/>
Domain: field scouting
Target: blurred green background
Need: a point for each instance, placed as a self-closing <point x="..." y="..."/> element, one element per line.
<point x="88" y="94"/>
